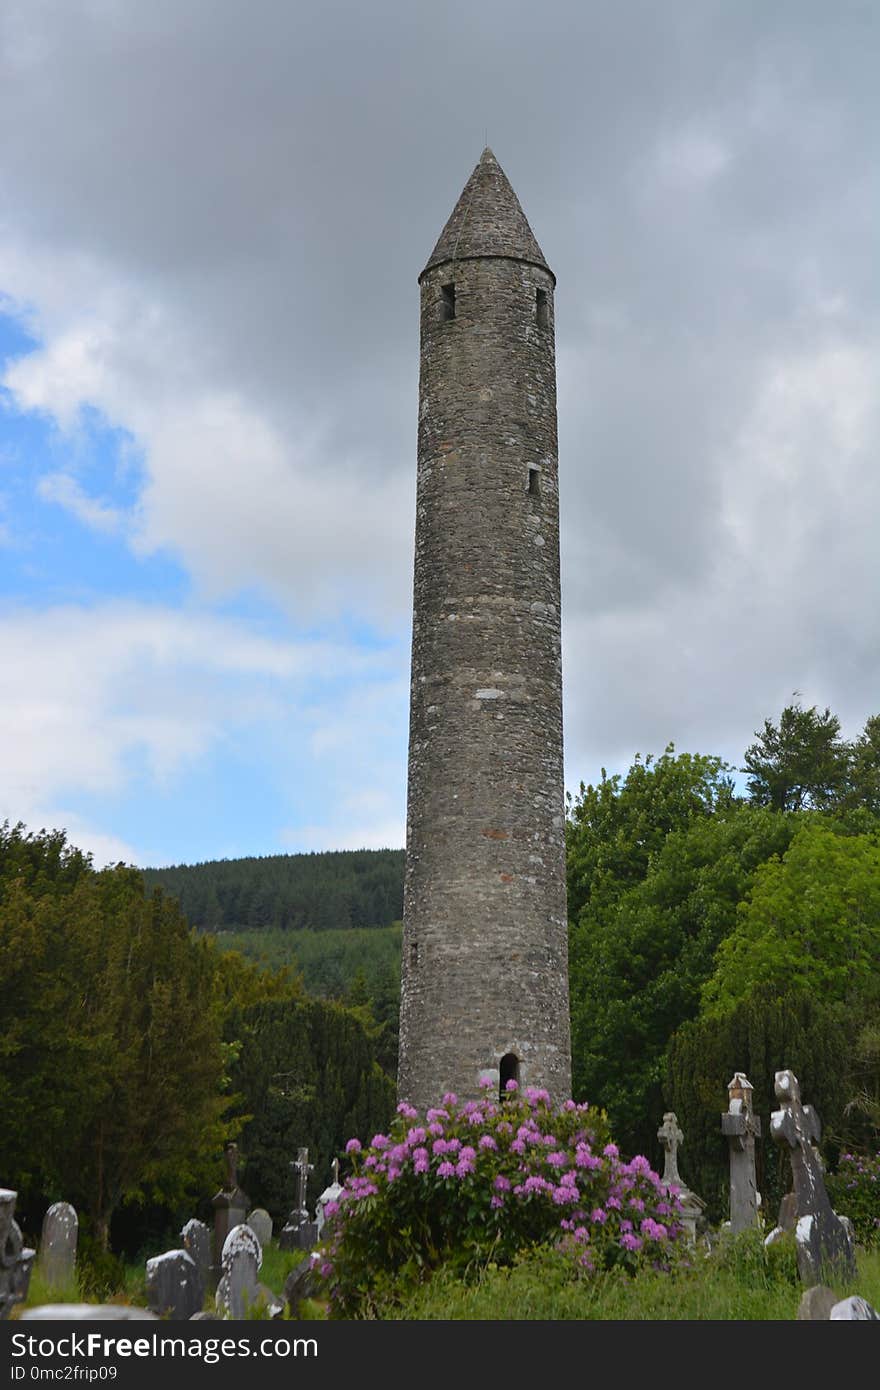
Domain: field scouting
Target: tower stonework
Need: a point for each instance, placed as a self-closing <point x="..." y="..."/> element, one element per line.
<point x="485" y="948"/>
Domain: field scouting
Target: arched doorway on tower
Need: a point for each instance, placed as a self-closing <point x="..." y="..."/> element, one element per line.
<point x="508" y="1070"/>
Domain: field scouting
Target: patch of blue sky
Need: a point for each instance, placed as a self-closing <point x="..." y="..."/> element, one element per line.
<point x="219" y="807"/>
<point x="49" y="554"/>
<point x="240" y="796"/>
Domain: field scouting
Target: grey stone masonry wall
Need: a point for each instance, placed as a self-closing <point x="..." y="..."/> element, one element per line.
<point x="484" y="971"/>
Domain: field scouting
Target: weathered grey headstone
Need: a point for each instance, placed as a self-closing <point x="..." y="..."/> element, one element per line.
<point x="300" y="1232"/>
<point x="824" y="1245"/>
<point x="87" y="1312"/>
<point x="197" y="1243"/>
<point x="741" y="1128"/>
<point x="330" y="1194"/>
<point x="16" y="1259"/>
<point x="854" y="1309"/>
<point x="302" y="1282"/>
<point x="692" y="1206"/>
<point x="56" y="1259"/>
<point x="238" y="1288"/>
<point x="231" y="1206"/>
<point x="260" y="1223"/>
<point x="816" y="1304"/>
<point x="175" y="1288"/>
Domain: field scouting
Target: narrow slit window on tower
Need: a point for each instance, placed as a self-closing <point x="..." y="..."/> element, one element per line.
<point x="447" y="302"/>
<point x="508" y="1070"/>
<point x="542" y="308"/>
<point x="534" y="487"/>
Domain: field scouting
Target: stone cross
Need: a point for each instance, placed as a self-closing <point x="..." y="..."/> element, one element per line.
<point x="231" y="1206"/>
<point x="824" y="1245"/>
<point x="302" y="1168"/>
<point x="300" y="1233"/>
<point x="670" y="1137"/>
<point x="741" y="1128"/>
<point x="691" y="1207"/>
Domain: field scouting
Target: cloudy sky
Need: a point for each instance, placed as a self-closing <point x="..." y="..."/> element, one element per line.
<point x="212" y="219"/>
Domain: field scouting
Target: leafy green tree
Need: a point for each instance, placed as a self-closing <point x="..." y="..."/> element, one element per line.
<point x="800" y="764"/>
<point x="637" y="971"/>
<point x="810" y="921"/>
<point x="613" y="828"/>
<point x="110" y="1037"/>
<point x="864" y="769"/>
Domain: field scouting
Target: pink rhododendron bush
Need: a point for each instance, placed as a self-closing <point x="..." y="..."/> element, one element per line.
<point x="483" y="1181"/>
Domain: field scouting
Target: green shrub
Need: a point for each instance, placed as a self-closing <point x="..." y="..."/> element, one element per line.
<point x="855" y="1192"/>
<point x="482" y="1182"/>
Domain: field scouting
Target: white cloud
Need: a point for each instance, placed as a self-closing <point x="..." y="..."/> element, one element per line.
<point x="83" y="693"/>
<point x="91" y="511"/>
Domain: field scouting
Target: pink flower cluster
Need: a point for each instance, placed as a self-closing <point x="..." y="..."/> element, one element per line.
<point x="493" y="1174"/>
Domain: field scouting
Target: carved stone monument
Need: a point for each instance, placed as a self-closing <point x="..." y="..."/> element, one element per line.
<point x="692" y="1206"/>
<point x="301" y="1232"/>
<point x="231" y="1206"/>
<point x="825" y="1252"/>
<point x="16" y="1260"/>
<point x="741" y="1127"/>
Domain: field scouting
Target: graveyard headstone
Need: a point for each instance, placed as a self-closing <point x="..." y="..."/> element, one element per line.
<point x="300" y="1232"/>
<point x="231" y="1206"/>
<point x="238" y="1288"/>
<point x="854" y="1309"/>
<point x="175" y="1288"/>
<point x="197" y="1244"/>
<point x="741" y="1127"/>
<point x="816" y="1304"/>
<point x="302" y="1282"/>
<point x="56" y="1259"/>
<point x="824" y="1245"/>
<point x="260" y="1223"/>
<point x="692" y="1206"/>
<point x="330" y="1195"/>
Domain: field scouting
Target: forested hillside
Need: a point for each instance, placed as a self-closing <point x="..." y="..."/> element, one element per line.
<point x="346" y="888"/>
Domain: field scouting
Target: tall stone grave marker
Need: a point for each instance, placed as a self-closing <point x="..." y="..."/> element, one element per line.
<point x="825" y="1250"/>
<point x="692" y="1206"/>
<point x="300" y="1232"/>
<point x="231" y="1206"/>
<point x="56" y="1258"/>
<point x="741" y="1127"/>
<point x="239" y="1286"/>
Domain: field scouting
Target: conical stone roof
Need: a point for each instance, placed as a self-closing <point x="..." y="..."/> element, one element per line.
<point x="487" y="220"/>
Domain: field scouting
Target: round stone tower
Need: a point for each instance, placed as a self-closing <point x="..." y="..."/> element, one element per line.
<point x="485" y="950"/>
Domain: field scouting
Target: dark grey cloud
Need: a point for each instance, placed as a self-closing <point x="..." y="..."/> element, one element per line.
<point x="701" y="176"/>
